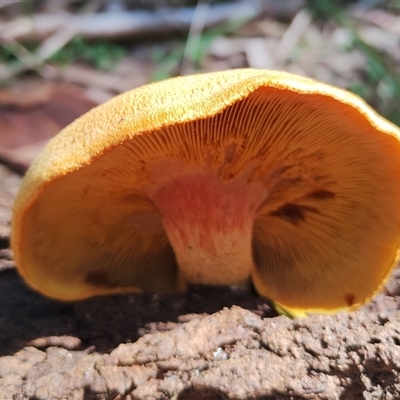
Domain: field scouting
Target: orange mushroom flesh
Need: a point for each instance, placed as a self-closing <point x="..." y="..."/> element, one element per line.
<point x="220" y="178"/>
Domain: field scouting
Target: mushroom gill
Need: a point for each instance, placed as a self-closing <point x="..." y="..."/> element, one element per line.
<point x="252" y="175"/>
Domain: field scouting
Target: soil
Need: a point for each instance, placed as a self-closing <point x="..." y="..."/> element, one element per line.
<point x="206" y="343"/>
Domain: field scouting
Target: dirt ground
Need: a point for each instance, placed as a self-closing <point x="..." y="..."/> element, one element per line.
<point x="207" y="343"/>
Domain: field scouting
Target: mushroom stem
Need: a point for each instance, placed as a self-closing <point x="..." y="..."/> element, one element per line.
<point x="209" y="223"/>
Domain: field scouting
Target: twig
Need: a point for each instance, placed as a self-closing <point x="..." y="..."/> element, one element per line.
<point x="111" y="25"/>
<point x="291" y="37"/>
<point x="200" y="15"/>
<point x="34" y="60"/>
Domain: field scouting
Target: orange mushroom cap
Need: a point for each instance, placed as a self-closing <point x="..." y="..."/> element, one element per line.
<point x="219" y="178"/>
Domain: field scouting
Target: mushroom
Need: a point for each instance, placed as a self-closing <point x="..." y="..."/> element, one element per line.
<point x="221" y="178"/>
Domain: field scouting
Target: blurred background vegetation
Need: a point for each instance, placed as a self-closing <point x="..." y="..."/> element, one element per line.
<point x="107" y="47"/>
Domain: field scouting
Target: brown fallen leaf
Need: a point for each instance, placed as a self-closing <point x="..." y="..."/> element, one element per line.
<point x="31" y="113"/>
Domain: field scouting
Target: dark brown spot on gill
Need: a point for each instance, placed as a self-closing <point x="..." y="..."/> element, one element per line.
<point x="350" y="299"/>
<point x="230" y="152"/>
<point x="320" y="194"/>
<point x="294" y="213"/>
<point x="98" y="278"/>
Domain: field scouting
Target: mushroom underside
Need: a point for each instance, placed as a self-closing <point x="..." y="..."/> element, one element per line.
<point x="298" y="193"/>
